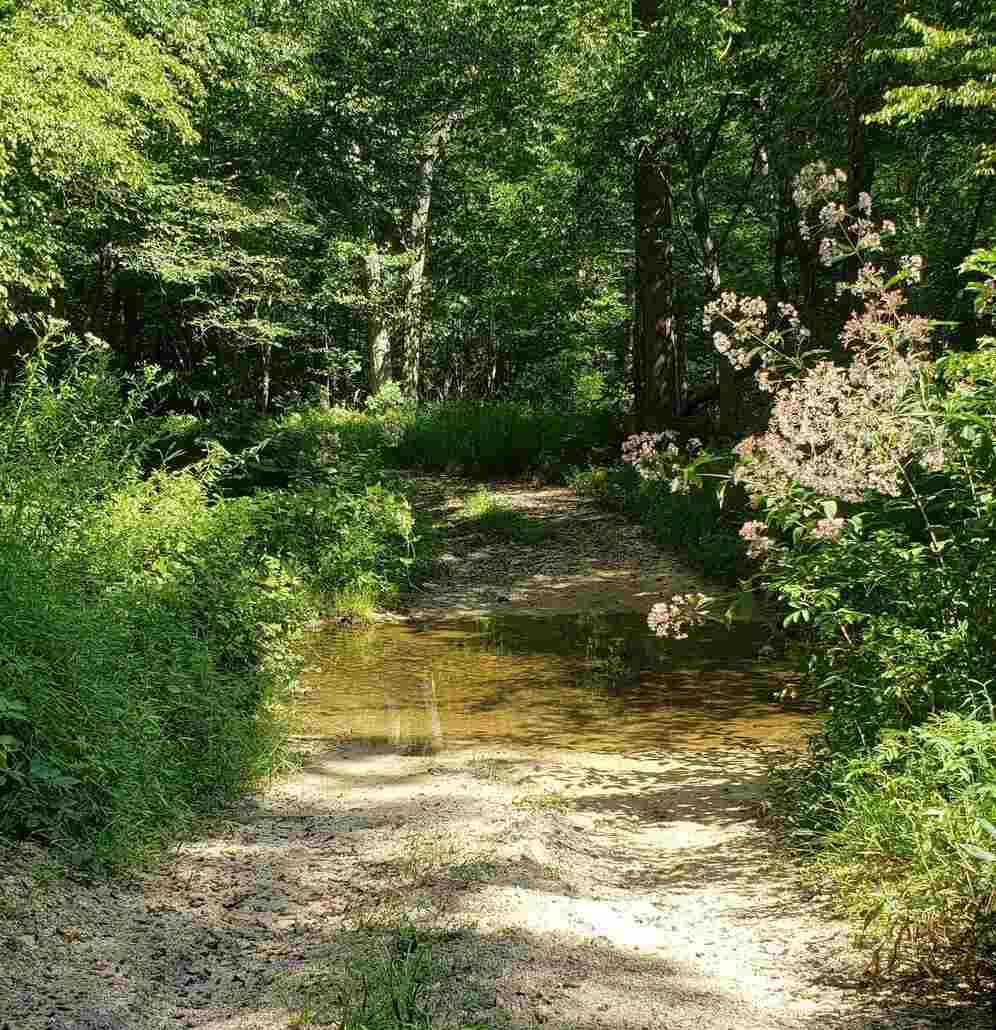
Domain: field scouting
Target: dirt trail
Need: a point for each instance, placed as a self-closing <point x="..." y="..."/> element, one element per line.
<point x="564" y="890"/>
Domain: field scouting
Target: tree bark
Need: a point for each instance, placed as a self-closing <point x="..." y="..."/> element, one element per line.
<point x="661" y="348"/>
<point x="663" y="353"/>
<point x="378" y="333"/>
<point x="414" y="321"/>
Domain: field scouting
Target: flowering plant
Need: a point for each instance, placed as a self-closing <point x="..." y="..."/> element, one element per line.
<point x="873" y="482"/>
<point x="682" y="465"/>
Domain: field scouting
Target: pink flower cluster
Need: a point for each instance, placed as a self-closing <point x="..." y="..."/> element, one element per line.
<point x="839" y="432"/>
<point x="642" y="446"/>
<point x="658" y="456"/>
<point x="682" y="612"/>
<point x="758" y="542"/>
<point x="776" y="350"/>
<point x="828" y="529"/>
<point x="815" y="183"/>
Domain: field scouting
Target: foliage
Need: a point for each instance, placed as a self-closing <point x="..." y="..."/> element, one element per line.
<point x="500" y="439"/>
<point x="82" y="101"/>
<point x="909" y="855"/>
<point x="338" y="541"/>
<point x="148" y="620"/>
<point x="873" y="485"/>
<point x="953" y="68"/>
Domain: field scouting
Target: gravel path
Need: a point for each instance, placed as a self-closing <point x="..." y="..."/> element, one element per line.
<point x="564" y="890"/>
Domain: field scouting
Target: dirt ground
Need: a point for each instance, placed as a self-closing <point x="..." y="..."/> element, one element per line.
<point x="558" y="889"/>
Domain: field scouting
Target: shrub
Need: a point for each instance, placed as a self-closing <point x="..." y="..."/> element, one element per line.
<point x="485" y="511"/>
<point x="500" y="439"/>
<point x="906" y="856"/>
<point x="874" y="487"/>
<point x="256" y="453"/>
<point x="339" y="542"/>
<point x="145" y="650"/>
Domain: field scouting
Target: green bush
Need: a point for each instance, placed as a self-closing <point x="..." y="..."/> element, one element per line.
<point x="501" y="439"/>
<point x="147" y="621"/>
<point x="309" y="446"/>
<point x="148" y="684"/>
<point x="906" y="812"/>
<point x="339" y="542"/>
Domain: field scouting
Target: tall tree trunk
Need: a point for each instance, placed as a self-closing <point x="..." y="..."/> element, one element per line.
<point x="378" y="334"/>
<point x="661" y="347"/>
<point x="413" y="327"/>
<point x="663" y="356"/>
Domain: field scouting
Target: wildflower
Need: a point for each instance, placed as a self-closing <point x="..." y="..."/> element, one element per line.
<point x="673" y="618"/>
<point x="828" y="529"/>
<point x="864" y="203"/>
<point x="912" y="266"/>
<point x="758" y="543"/>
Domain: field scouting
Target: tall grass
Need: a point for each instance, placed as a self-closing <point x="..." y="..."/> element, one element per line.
<point x="148" y="619"/>
<point x="505" y="439"/>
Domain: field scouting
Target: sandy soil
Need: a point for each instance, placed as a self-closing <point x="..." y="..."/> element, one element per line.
<point x="562" y="890"/>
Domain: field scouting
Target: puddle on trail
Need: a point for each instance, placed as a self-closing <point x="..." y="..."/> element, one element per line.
<point x="594" y="682"/>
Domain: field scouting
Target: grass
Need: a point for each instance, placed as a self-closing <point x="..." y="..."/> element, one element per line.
<point x="358" y="603"/>
<point x="388" y="985"/>
<point x="501" y="439"/>
<point x="384" y="989"/>
<point x="486" y="512"/>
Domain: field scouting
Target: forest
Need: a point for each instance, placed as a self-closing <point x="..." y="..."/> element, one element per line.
<point x="725" y="269"/>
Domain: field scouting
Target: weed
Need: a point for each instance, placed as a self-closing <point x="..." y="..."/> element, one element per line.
<point x="385" y="989"/>
<point x="485" y="512"/>
<point x="548" y="801"/>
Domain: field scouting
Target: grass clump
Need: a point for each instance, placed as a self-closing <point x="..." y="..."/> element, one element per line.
<point x="384" y="989"/>
<point x="484" y="511"/>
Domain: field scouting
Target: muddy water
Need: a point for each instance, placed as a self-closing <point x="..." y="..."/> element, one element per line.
<point x="595" y="682"/>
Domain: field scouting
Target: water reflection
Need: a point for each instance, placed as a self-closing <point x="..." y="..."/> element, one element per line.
<point x="597" y="682"/>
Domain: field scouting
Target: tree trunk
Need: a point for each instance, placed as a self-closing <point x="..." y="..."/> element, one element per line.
<point x="663" y="357"/>
<point x="413" y="327"/>
<point x="378" y="334"/>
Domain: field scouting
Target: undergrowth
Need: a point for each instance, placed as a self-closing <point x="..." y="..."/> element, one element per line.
<point x="506" y="439"/>
<point x="149" y="612"/>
